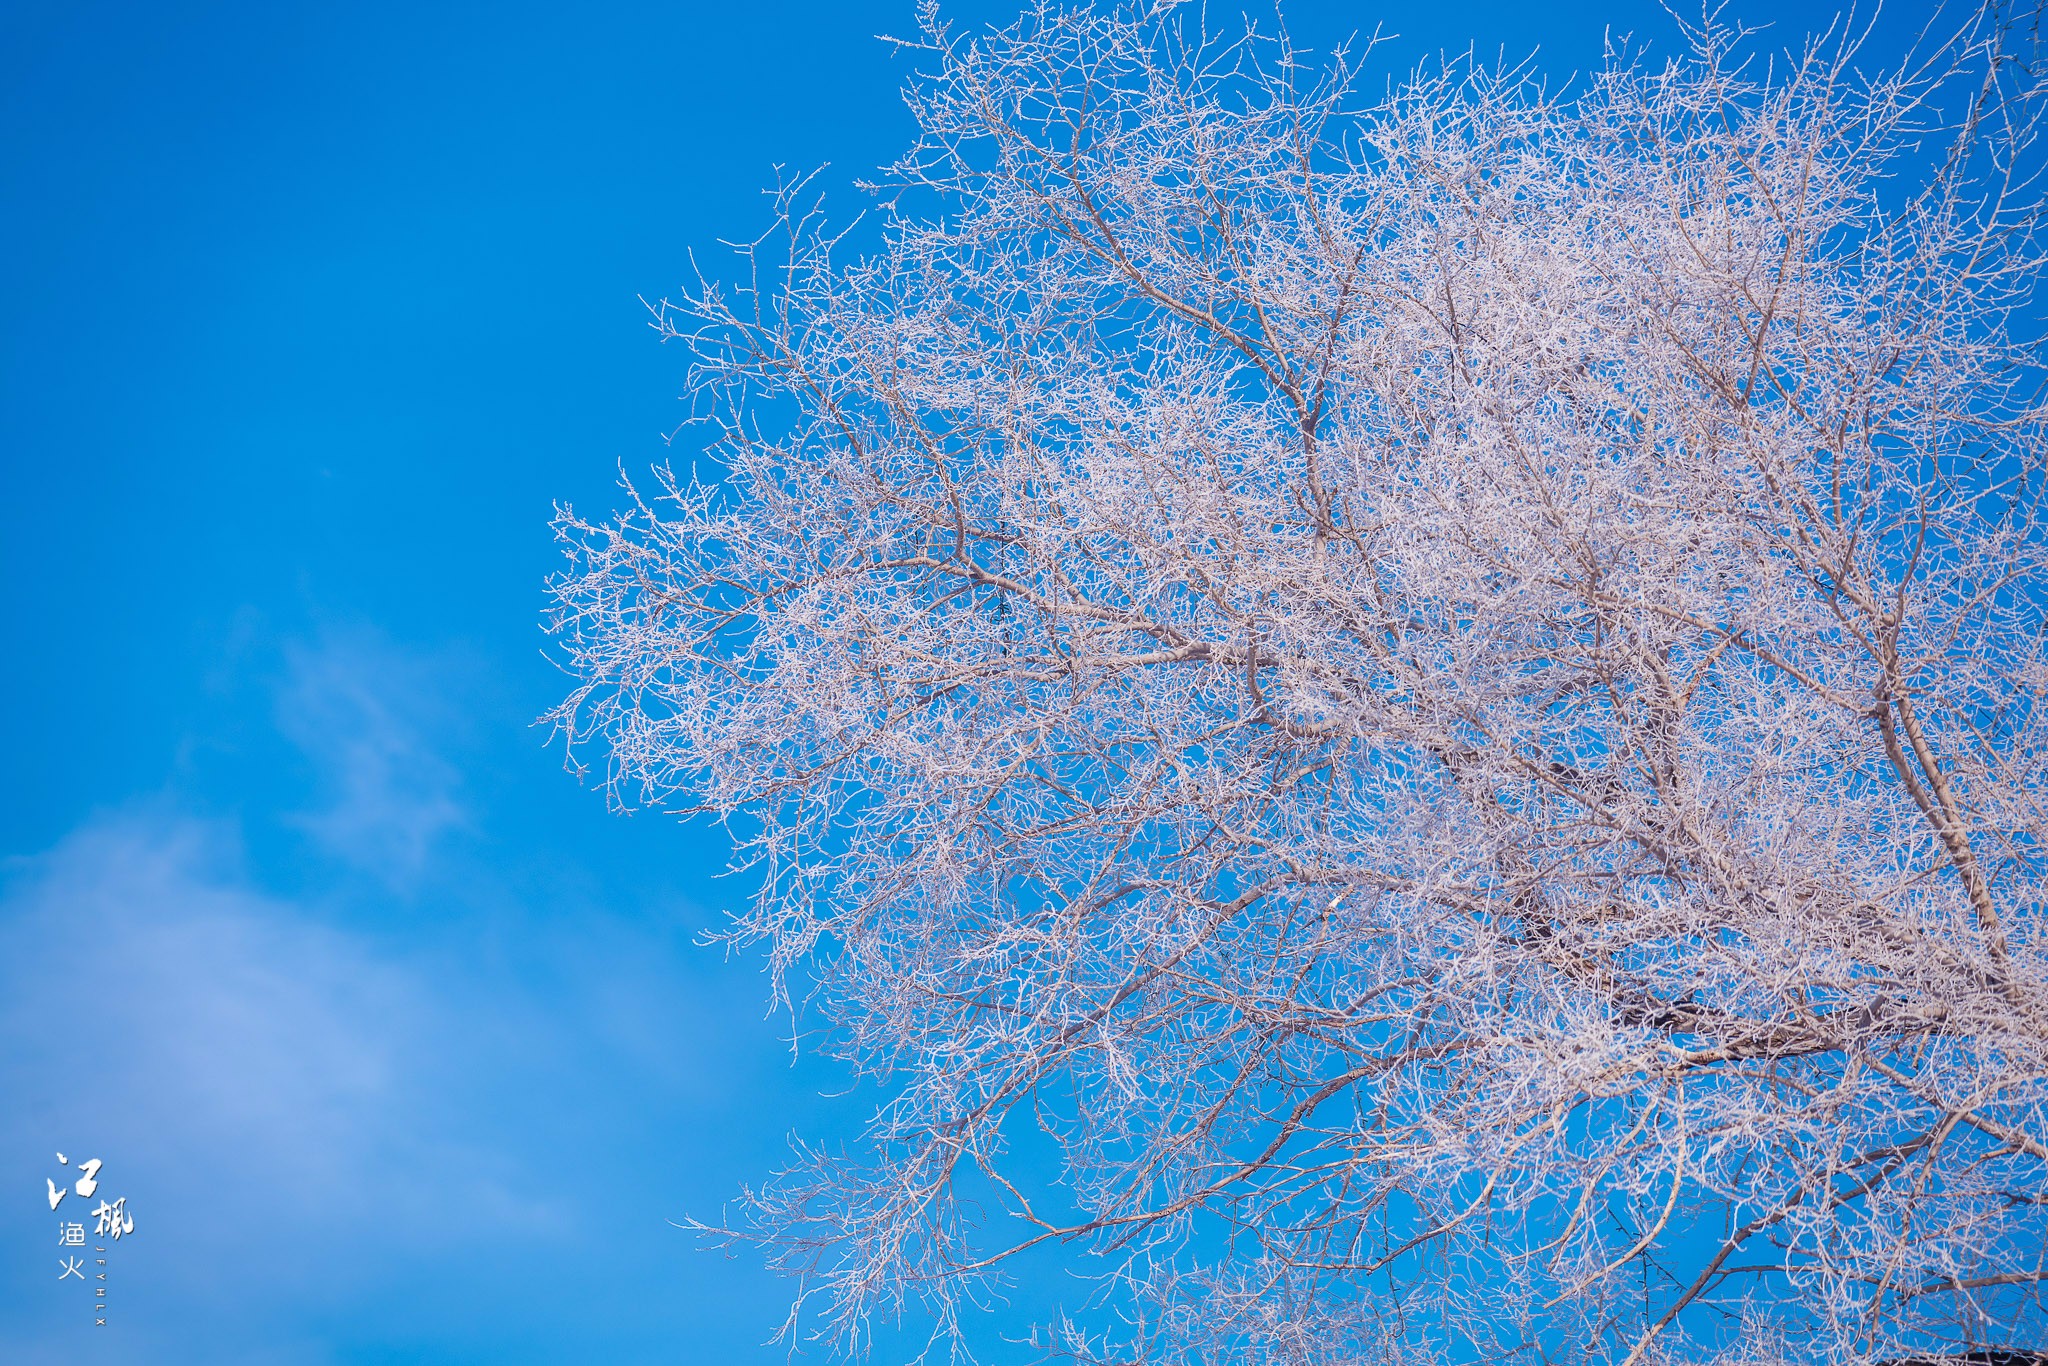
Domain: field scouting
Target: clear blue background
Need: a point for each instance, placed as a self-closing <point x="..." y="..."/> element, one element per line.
<point x="398" y="1044"/>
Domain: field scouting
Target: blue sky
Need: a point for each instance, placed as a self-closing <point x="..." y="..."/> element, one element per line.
<point x="399" y="1045"/>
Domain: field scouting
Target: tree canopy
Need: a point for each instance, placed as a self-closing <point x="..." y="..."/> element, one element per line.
<point x="1441" y="696"/>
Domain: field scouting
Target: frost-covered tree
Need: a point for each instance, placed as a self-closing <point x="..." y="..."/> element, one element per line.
<point x="1414" y="727"/>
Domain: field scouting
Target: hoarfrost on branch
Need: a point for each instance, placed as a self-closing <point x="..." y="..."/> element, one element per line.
<point x="1441" y="698"/>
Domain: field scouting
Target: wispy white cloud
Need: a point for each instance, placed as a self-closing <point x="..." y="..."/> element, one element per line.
<point x="266" y="1088"/>
<point x="174" y="1009"/>
<point x="335" y="1120"/>
<point x="364" y="712"/>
